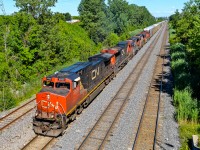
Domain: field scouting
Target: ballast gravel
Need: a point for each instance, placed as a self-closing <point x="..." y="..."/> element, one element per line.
<point x="169" y="131"/>
<point x="19" y="133"/>
<point x="15" y="136"/>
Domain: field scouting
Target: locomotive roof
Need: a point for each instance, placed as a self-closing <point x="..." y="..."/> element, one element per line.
<point x="116" y="48"/>
<point x="101" y="56"/>
<point x="63" y="75"/>
<point x="76" y="67"/>
<point x="140" y="34"/>
<point x="123" y="42"/>
<point x="135" y="38"/>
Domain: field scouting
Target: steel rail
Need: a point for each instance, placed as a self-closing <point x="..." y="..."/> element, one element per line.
<point x="38" y="142"/>
<point x="16" y="109"/>
<point x="145" y="105"/>
<point x="6" y="121"/>
<point x="160" y="93"/>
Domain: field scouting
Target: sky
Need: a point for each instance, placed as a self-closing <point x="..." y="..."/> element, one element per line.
<point x="158" y="8"/>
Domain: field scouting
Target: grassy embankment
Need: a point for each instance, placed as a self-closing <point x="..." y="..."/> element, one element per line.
<point x="187" y="109"/>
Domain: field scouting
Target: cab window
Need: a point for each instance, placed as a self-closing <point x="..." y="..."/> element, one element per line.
<point x="62" y="85"/>
<point x="48" y="84"/>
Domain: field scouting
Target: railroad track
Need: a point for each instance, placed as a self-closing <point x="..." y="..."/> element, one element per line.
<point x="15" y="115"/>
<point x="147" y="129"/>
<point x="39" y="143"/>
<point x="99" y="135"/>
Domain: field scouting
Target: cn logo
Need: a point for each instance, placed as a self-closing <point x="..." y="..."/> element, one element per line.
<point x="95" y="73"/>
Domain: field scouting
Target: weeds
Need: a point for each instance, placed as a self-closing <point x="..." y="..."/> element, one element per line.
<point x="187" y="110"/>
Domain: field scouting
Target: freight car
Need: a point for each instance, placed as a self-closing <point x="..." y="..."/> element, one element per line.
<point x="146" y="36"/>
<point x="65" y="93"/>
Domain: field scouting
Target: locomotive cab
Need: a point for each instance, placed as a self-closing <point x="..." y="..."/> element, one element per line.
<point x="128" y="46"/>
<point x="59" y="93"/>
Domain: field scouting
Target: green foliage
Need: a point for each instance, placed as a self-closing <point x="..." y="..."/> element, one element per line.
<point x="186" y="132"/>
<point x="34" y="7"/>
<point x="135" y="32"/>
<point x="178" y="55"/>
<point x="94" y="19"/>
<point x="100" y="20"/>
<point x="76" y="17"/>
<point x="111" y="40"/>
<point x="31" y="49"/>
<point x="36" y="41"/>
<point x="187" y="26"/>
<point x="179" y="66"/>
<point x="119" y="11"/>
<point x="174" y="19"/>
<point x="185" y="29"/>
<point x="67" y="16"/>
<point x="7" y="100"/>
<point x="186" y="106"/>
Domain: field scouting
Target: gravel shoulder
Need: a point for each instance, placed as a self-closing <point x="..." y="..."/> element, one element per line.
<point x="169" y="133"/>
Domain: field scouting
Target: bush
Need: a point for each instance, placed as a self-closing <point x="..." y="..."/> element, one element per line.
<point x="186" y="131"/>
<point x="7" y="100"/>
<point x="111" y="40"/>
<point x="186" y="107"/>
<point x="178" y="47"/>
<point x="179" y="65"/>
<point x="178" y="55"/>
<point x="133" y="33"/>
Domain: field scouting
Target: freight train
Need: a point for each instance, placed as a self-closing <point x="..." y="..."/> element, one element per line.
<point x="67" y="92"/>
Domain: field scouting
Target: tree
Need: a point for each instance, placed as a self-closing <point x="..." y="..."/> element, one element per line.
<point x="187" y="27"/>
<point x="94" y="19"/>
<point x="35" y="7"/>
<point x="67" y="16"/>
<point x="175" y="18"/>
<point x="119" y="10"/>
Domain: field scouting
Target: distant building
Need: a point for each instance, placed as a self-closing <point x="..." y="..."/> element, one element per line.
<point x="73" y="21"/>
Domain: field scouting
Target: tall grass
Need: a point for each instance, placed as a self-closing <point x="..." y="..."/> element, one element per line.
<point x="187" y="110"/>
<point x="186" y="106"/>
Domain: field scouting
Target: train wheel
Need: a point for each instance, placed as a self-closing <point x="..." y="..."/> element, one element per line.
<point x="73" y="116"/>
<point x="112" y="76"/>
<point x="107" y="81"/>
<point x="80" y="109"/>
<point x="85" y="104"/>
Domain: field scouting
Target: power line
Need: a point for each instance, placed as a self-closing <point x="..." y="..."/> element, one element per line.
<point x="2" y="7"/>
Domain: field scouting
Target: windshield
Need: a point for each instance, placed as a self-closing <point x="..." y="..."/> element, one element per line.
<point x="62" y="85"/>
<point x="48" y="84"/>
